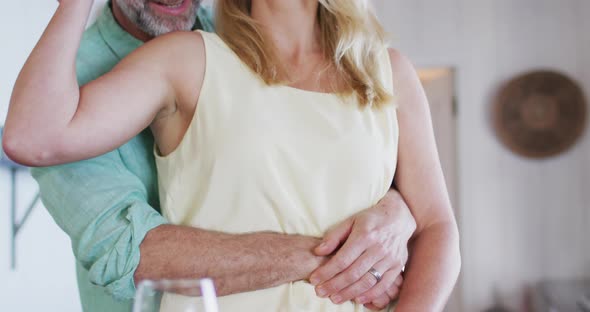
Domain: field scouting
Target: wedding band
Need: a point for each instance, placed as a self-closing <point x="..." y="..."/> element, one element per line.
<point x="376" y="274"/>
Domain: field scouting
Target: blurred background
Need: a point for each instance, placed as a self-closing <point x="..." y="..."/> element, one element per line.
<point x="524" y="221"/>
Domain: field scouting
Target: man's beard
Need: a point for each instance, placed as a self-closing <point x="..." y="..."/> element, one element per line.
<point x="142" y="15"/>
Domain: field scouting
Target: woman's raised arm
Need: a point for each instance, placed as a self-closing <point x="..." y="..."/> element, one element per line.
<point x="51" y="120"/>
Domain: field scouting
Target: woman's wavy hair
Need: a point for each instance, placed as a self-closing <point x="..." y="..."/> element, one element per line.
<point x="351" y="37"/>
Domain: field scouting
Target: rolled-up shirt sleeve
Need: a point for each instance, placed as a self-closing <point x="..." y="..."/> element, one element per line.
<point x="103" y="207"/>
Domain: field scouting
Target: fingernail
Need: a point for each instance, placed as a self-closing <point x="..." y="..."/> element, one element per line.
<point x="314" y="280"/>
<point x="321" y="292"/>
<point x="336" y="299"/>
<point x="323" y="245"/>
<point x="361" y="300"/>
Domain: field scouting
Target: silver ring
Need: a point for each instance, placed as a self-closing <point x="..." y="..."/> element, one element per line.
<point x="378" y="276"/>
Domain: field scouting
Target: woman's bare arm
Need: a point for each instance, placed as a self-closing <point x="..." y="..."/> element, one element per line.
<point x="51" y="120"/>
<point x="434" y="263"/>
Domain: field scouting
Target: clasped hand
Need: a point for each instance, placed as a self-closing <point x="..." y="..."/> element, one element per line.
<point x="375" y="238"/>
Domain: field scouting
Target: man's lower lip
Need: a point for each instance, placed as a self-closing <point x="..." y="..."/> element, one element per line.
<point x="179" y="10"/>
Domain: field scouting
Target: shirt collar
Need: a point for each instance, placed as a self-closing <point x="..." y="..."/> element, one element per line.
<point x="119" y="41"/>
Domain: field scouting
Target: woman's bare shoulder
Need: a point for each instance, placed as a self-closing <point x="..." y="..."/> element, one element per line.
<point x="406" y="82"/>
<point x="183" y="56"/>
<point x="400" y="64"/>
<point x="182" y="47"/>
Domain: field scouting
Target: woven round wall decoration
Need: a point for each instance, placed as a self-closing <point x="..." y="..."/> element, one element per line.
<point x="540" y="114"/>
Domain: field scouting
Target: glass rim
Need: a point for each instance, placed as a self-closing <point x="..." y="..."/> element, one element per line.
<point x="183" y="282"/>
<point x="205" y="285"/>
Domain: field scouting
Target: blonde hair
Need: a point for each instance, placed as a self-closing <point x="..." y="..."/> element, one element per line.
<point x="351" y="37"/>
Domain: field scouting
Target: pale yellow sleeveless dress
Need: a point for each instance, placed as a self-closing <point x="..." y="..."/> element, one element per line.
<point x="275" y="158"/>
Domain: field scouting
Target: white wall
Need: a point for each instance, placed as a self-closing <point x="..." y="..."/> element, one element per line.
<point x="44" y="279"/>
<point x="522" y="220"/>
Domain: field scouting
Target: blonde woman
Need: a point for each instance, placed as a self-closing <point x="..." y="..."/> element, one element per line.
<point x="297" y="103"/>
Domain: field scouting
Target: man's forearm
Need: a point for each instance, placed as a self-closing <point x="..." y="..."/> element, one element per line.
<point x="432" y="270"/>
<point x="236" y="262"/>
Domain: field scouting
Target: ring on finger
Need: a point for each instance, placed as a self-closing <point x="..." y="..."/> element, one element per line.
<point x="376" y="274"/>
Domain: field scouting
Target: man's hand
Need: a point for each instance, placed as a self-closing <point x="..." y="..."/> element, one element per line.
<point x="374" y="238"/>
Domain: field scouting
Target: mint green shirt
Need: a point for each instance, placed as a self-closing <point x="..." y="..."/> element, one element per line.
<point x="107" y="204"/>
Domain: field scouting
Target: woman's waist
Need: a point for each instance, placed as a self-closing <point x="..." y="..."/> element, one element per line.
<point x="260" y="211"/>
<point x="291" y="297"/>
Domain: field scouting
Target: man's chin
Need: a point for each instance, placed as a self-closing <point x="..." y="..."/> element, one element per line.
<point x="162" y="29"/>
<point x="159" y="25"/>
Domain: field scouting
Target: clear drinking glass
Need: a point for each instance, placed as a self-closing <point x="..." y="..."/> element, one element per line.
<point x="176" y="296"/>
